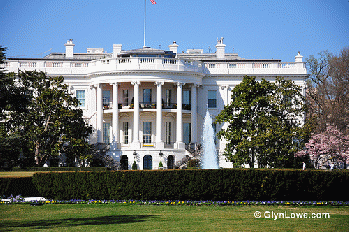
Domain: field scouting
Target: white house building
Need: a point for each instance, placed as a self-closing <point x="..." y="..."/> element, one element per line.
<point x="149" y="104"/>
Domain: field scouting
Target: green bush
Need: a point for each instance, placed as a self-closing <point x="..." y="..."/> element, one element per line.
<point x="18" y="186"/>
<point x="60" y="169"/>
<point x="221" y="184"/>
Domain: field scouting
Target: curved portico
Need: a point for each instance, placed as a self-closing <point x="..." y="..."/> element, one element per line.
<point x="153" y="101"/>
<point x="147" y="106"/>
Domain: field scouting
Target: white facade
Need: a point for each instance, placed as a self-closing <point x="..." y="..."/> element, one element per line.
<point x="149" y="104"/>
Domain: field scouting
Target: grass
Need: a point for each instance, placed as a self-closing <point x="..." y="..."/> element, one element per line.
<point x="115" y="217"/>
<point x="17" y="174"/>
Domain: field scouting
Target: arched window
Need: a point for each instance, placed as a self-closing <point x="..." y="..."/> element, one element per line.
<point x="170" y="162"/>
<point x="147" y="162"/>
<point x="124" y="162"/>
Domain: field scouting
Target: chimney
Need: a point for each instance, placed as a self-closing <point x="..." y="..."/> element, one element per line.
<point x="220" y="48"/>
<point x="173" y="47"/>
<point x="116" y="49"/>
<point x="298" y="58"/>
<point x="69" y="49"/>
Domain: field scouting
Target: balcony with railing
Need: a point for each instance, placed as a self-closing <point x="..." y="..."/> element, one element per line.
<point x="144" y="63"/>
<point x="253" y="68"/>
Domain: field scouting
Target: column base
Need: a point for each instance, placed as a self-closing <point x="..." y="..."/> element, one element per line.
<point x="136" y="145"/>
<point x="160" y="145"/>
<point x="115" y="146"/>
<point x="180" y="145"/>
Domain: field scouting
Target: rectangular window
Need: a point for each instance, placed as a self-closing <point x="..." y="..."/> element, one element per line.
<point x="232" y="65"/>
<point x="80" y="95"/>
<point x="147" y="96"/>
<point x="125" y="96"/>
<point x="186" y="99"/>
<point x="168" y="97"/>
<point x="187" y="133"/>
<point x="106" y="98"/>
<point x="212" y="99"/>
<point x="125" y="129"/>
<point x="106" y="133"/>
<point x="168" y="133"/>
<point x="147" y="132"/>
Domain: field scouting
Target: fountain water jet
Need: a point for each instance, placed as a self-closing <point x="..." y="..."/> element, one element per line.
<point x="209" y="159"/>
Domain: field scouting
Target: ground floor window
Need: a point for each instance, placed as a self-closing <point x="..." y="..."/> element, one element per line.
<point x="147" y="132"/>
<point x="170" y="162"/>
<point x="168" y="133"/>
<point x="124" y="162"/>
<point x="147" y="162"/>
<point x="106" y="133"/>
<point x="125" y="126"/>
<point x="187" y="133"/>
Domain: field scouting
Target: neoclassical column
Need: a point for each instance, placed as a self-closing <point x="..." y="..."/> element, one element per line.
<point x="115" y="115"/>
<point x="99" y="114"/>
<point x="159" y="142"/>
<point x="136" y="142"/>
<point x="194" y="113"/>
<point x="180" y="144"/>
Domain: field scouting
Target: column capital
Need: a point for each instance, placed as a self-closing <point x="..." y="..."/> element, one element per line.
<point x="179" y="83"/>
<point x="93" y="86"/>
<point x="223" y="87"/>
<point x="135" y="82"/>
<point x="159" y="83"/>
<point x="115" y="83"/>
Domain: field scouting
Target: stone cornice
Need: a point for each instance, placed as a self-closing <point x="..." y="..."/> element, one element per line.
<point x="142" y="72"/>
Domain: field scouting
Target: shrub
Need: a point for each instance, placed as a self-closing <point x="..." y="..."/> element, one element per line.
<point x="221" y="184"/>
<point x="18" y="186"/>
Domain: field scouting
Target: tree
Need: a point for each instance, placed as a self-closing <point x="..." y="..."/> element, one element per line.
<point x="12" y="99"/>
<point x="330" y="145"/>
<point x="263" y="123"/>
<point x="52" y="123"/>
<point x="328" y="90"/>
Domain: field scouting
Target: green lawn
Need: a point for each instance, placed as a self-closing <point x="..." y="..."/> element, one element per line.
<point x="17" y="174"/>
<point x="116" y="217"/>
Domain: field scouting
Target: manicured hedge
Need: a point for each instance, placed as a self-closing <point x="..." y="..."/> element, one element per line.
<point x="18" y="186"/>
<point x="60" y="169"/>
<point x="221" y="184"/>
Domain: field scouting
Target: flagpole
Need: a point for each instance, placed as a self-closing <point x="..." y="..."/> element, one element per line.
<point x="145" y="17"/>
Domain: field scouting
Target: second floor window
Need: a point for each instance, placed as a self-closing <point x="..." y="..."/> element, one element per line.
<point x="212" y="99"/>
<point x="106" y="98"/>
<point x="147" y="96"/>
<point x="80" y="95"/>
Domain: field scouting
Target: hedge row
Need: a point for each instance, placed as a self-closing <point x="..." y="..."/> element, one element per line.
<point x="221" y="184"/>
<point x="18" y="186"/>
<point x="60" y="169"/>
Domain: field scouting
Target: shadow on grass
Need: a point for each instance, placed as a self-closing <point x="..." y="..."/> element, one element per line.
<point x="70" y="222"/>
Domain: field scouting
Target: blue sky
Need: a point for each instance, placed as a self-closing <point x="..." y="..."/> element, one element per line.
<point x="255" y="29"/>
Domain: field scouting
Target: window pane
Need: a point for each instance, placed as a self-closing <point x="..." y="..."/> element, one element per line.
<point x="187" y="132"/>
<point x="106" y="133"/>
<point x="106" y="97"/>
<point x="186" y="97"/>
<point x="146" y="132"/>
<point x="125" y="129"/>
<point x="212" y="99"/>
<point x="80" y="95"/>
<point x="147" y="96"/>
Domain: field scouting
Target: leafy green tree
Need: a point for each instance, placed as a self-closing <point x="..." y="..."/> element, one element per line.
<point x="12" y="99"/>
<point x="264" y="123"/>
<point x="52" y="123"/>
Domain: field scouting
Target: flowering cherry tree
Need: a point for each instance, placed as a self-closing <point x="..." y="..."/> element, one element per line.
<point x="330" y="145"/>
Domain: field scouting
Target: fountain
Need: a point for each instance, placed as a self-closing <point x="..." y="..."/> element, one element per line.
<point x="209" y="155"/>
